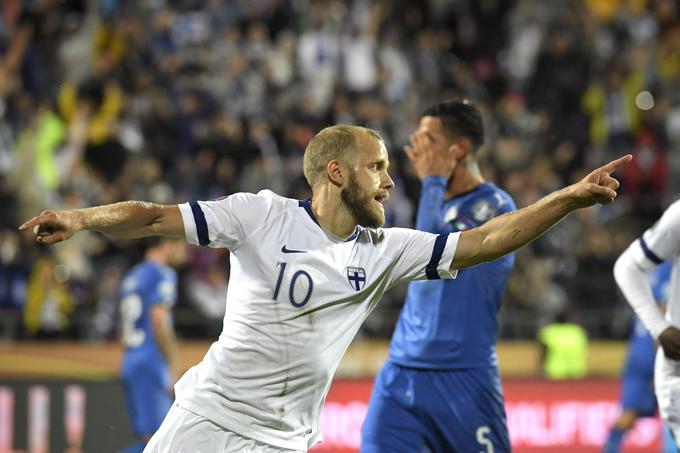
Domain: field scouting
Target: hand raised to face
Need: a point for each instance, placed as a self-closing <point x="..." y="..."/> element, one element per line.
<point x="431" y="154"/>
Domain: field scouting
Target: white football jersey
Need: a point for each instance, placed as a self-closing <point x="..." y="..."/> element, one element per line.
<point x="661" y="243"/>
<point x="297" y="296"/>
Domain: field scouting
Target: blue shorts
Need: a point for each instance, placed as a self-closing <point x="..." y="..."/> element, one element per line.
<point x="416" y="410"/>
<point x="146" y="394"/>
<point x="637" y="394"/>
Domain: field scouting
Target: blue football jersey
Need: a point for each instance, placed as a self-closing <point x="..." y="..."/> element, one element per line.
<point x="145" y="285"/>
<point x="452" y="324"/>
<point x="660" y="279"/>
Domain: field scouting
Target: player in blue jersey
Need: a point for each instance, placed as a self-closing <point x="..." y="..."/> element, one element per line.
<point x="637" y="377"/>
<point x="440" y="388"/>
<point x="147" y="296"/>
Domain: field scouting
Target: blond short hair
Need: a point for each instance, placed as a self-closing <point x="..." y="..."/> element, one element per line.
<point x="332" y="143"/>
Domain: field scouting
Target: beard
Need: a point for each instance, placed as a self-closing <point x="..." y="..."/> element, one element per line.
<point x="359" y="204"/>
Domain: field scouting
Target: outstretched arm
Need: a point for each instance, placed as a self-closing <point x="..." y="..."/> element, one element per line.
<point x="125" y="220"/>
<point x="511" y="231"/>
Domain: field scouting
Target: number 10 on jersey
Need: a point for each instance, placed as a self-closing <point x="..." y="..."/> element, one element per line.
<point x="298" y="277"/>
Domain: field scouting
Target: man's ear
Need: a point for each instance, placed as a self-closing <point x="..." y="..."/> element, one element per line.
<point x="335" y="173"/>
<point x="460" y="148"/>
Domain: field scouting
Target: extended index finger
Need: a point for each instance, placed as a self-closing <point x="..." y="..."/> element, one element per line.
<point x="613" y="165"/>
<point x="30" y="223"/>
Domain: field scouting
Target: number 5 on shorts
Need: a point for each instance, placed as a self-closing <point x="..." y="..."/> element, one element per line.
<point x="482" y="433"/>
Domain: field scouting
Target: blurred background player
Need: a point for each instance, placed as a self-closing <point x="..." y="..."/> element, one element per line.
<point x="440" y="388"/>
<point x="563" y="348"/>
<point x="148" y="294"/>
<point x="659" y="243"/>
<point x="637" y="378"/>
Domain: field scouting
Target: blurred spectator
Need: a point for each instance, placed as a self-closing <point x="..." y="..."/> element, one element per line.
<point x="564" y="347"/>
<point x="647" y="179"/>
<point x="14" y="272"/>
<point x="48" y="299"/>
<point x="170" y="101"/>
<point x="561" y="74"/>
<point x="611" y="105"/>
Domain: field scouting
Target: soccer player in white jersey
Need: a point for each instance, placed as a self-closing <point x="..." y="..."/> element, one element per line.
<point x="659" y="243"/>
<point x="304" y="276"/>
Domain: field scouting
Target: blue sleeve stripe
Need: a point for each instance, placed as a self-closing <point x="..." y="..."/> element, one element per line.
<point x="653" y="257"/>
<point x="201" y="225"/>
<point x="437" y="251"/>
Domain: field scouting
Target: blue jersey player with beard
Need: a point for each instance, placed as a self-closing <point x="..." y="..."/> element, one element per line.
<point x="440" y="388"/>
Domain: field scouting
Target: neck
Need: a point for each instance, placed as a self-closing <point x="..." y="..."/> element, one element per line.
<point x="157" y="258"/>
<point x="332" y="214"/>
<point x="465" y="178"/>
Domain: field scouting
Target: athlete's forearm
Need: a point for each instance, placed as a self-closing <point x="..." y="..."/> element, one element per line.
<point x="164" y="335"/>
<point x="634" y="285"/>
<point x="167" y="343"/>
<point x="129" y="219"/>
<point x="430" y="217"/>
<point x="513" y="230"/>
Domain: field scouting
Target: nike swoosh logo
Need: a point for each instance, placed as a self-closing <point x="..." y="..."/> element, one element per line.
<point x="285" y="250"/>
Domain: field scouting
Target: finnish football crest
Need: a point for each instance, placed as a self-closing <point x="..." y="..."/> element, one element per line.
<point x="356" y="277"/>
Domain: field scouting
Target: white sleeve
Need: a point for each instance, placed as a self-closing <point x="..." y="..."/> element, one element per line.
<point x="631" y="278"/>
<point x="659" y="243"/>
<point x="421" y="255"/>
<point x="226" y="222"/>
<point x="662" y="241"/>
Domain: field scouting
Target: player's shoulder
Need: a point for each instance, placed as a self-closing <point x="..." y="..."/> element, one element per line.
<point x="142" y="276"/>
<point x="151" y="273"/>
<point x="132" y="277"/>
<point x="497" y="196"/>
<point x="255" y="208"/>
<point x="488" y="201"/>
<point x="673" y="211"/>
<point x="669" y="221"/>
<point x="264" y="199"/>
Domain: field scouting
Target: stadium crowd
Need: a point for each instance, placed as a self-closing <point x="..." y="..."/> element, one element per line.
<point x="174" y="100"/>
